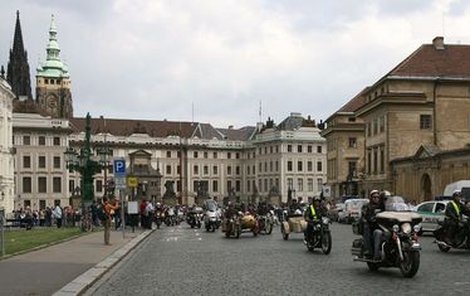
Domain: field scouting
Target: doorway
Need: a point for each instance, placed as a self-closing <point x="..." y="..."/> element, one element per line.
<point x="426" y="187"/>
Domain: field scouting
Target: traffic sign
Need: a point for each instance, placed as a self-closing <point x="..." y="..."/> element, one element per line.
<point x="119" y="167"/>
<point x="120" y="183"/>
<point x="132" y="182"/>
<point x="326" y="191"/>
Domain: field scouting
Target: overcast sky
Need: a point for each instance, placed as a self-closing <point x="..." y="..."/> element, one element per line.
<point x="217" y="60"/>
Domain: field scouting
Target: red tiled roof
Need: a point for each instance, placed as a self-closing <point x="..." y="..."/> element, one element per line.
<point x="355" y="103"/>
<point x="126" y="127"/>
<point x="452" y="61"/>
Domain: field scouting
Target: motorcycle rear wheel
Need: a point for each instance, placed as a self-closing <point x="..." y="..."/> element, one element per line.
<point x="326" y="243"/>
<point x="373" y="266"/>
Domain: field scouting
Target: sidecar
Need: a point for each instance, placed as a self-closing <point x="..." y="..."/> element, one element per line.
<point x="293" y="224"/>
<point x="249" y="223"/>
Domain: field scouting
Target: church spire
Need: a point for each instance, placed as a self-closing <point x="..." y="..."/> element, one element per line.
<point x="18" y="67"/>
<point x="53" y="85"/>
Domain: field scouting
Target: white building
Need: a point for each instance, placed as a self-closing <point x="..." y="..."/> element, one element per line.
<point x="40" y="174"/>
<point x="6" y="148"/>
<point x="253" y="163"/>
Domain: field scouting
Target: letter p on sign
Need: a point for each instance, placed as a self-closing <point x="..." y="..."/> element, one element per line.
<point x="119" y="167"/>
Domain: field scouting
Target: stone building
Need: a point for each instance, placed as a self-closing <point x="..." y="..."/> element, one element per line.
<point x="414" y="117"/>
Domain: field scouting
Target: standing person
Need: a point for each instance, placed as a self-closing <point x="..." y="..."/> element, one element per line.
<point x="109" y="209"/>
<point x="58" y="213"/>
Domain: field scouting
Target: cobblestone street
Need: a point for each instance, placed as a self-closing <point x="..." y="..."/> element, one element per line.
<point x="183" y="261"/>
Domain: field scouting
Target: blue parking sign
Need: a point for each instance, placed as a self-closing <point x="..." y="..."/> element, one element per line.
<point x="119" y="167"/>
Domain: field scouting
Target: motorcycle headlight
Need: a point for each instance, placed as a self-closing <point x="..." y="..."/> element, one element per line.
<point x="406" y="228"/>
<point x="395" y="228"/>
<point x="417" y="228"/>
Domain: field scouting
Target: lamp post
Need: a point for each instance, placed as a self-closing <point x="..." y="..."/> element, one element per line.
<point x="104" y="154"/>
<point x="82" y="163"/>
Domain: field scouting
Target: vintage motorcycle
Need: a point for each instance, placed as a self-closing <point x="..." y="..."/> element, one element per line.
<point x="400" y="247"/>
<point x="321" y="236"/>
<point x="232" y="226"/>
<point x="460" y="241"/>
<point x="265" y="223"/>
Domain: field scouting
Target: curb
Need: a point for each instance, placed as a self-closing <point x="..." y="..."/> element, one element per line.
<point x="84" y="281"/>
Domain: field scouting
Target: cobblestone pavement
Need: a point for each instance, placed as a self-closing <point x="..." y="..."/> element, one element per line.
<point x="183" y="261"/>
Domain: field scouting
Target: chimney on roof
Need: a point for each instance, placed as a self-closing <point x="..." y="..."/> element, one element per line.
<point x="438" y="43"/>
<point x="230" y="127"/>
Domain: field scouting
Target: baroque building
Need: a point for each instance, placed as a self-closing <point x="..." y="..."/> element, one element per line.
<point x="416" y="124"/>
<point x="251" y="163"/>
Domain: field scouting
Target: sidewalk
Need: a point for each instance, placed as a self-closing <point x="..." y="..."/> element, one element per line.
<point x="69" y="267"/>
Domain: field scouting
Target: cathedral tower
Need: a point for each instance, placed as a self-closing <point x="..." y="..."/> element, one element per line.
<point x="53" y="85"/>
<point x="18" y="67"/>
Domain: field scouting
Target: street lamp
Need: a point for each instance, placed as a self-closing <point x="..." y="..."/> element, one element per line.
<point x="104" y="154"/>
<point x="82" y="163"/>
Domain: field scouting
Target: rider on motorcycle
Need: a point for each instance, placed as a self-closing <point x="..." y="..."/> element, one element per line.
<point x="453" y="212"/>
<point x="372" y="233"/>
<point x="312" y="215"/>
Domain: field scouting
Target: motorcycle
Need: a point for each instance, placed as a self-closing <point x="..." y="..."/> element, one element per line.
<point x="321" y="236"/>
<point x="211" y="221"/>
<point x="232" y="226"/>
<point x="265" y="223"/>
<point x="158" y="218"/>
<point x="400" y="247"/>
<point x="194" y="220"/>
<point x="460" y="241"/>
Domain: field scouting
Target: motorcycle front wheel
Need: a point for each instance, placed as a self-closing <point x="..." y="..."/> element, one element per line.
<point x="326" y="243"/>
<point x="269" y="228"/>
<point x="443" y="248"/>
<point x="285" y="235"/>
<point x="410" y="264"/>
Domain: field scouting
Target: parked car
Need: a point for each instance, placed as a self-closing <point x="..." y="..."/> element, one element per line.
<point x="432" y="212"/>
<point x="352" y="210"/>
<point x="333" y="212"/>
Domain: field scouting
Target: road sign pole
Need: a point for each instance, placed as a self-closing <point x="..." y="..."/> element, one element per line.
<point x="123" y="219"/>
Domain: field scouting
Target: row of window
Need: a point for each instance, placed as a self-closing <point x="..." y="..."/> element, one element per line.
<point x="41" y="141"/>
<point x="41" y="162"/>
<point x="273" y="166"/>
<point x="300" y="184"/>
<point x="377" y="125"/>
<point x="236" y="155"/>
<point x="42" y="184"/>
<point x="300" y="166"/>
